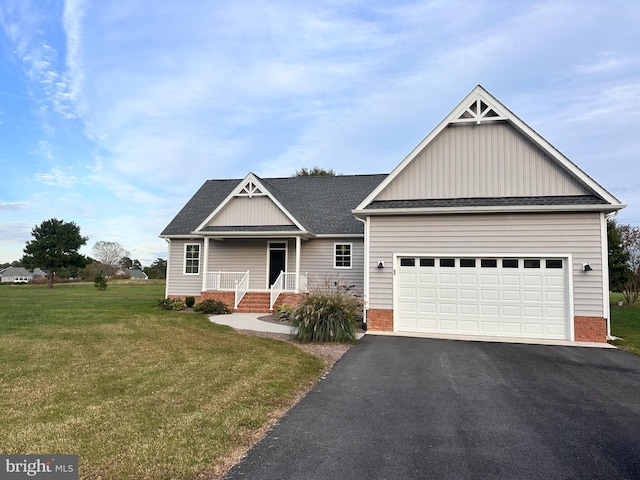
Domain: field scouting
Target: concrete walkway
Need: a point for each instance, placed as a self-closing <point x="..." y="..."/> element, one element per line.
<point x="250" y="321"/>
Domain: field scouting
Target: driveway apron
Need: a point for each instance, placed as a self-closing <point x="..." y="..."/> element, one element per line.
<point x="415" y="408"/>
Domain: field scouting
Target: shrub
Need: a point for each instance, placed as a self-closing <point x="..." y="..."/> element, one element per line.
<point x="171" y="304"/>
<point x="190" y="301"/>
<point x="327" y="314"/>
<point x="212" y="307"/>
<point x="284" y="313"/>
<point x="100" y="281"/>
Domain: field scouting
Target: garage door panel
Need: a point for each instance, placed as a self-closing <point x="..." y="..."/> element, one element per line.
<point x="489" y="279"/>
<point x="466" y="309"/>
<point x="511" y="295"/>
<point x="489" y="294"/>
<point x="486" y="299"/>
<point x="466" y="279"/>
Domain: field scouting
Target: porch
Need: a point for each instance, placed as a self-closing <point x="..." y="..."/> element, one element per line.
<point x="233" y="289"/>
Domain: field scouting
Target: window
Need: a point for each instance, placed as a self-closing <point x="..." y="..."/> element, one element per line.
<point x="488" y="263"/>
<point x="554" y="263"/>
<point x="531" y="263"/>
<point x="342" y="255"/>
<point x="467" y="262"/>
<point x="407" y="262"/>
<point x="427" y="262"/>
<point x="192" y="258"/>
<point x="447" y="262"/>
<point x="510" y="263"/>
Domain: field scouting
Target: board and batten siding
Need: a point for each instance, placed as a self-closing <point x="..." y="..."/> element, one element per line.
<point x="318" y="262"/>
<point x="486" y="160"/>
<point x="250" y="211"/>
<point x="576" y="234"/>
<point x="178" y="283"/>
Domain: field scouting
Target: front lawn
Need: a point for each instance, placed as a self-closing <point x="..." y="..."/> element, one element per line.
<point x="625" y="324"/>
<point x="136" y="392"/>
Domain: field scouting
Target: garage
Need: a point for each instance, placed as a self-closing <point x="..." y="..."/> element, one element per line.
<point x="520" y="296"/>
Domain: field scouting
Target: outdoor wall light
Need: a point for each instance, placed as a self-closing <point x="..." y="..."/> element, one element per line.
<point x="586" y="267"/>
<point x="380" y="264"/>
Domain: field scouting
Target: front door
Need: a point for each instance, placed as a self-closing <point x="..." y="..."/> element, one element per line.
<point x="277" y="260"/>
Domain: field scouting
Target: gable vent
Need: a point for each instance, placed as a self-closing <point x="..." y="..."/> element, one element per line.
<point x="478" y="112"/>
<point x="250" y="190"/>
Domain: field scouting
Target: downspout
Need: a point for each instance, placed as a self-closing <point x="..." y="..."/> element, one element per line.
<point x="605" y="273"/>
<point x="365" y="307"/>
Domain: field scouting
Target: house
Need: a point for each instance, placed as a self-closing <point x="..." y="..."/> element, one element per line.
<point x="484" y="229"/>
<point x="15" y="275"/>
<point x="136" y="274"/>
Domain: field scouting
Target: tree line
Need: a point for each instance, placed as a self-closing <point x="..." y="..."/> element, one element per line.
<point x="55" y="249"/>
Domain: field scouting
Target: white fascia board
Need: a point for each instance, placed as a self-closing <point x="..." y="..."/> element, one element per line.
<point x="193" y="235"/>
<point x="496" y="209"/>
<point x="504" y="114"/>
<point x="253" y="178"/>
<point x="265" y="234"/>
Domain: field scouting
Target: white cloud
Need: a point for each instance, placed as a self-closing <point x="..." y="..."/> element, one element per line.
<point x="57" y="178"/>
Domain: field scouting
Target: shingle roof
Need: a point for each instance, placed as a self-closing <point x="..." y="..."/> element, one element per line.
<point x="489" y="202"/>
<point x="321" y="204"/>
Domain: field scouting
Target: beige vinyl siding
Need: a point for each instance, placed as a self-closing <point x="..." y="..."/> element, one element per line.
<point x="487" y="160"/>
<point x="318" y="260"/>
<point x="177" y="282"/>
<point x="576" y="234"/>
<point x="250" y="211"/>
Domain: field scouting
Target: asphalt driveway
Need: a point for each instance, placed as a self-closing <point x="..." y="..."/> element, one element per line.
<point x="414" y="408"/>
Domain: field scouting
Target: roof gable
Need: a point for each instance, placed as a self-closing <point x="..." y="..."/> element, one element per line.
<point x="250" y="204"/>
<point x="481" y="149"/>
<point x="319" y="205"/>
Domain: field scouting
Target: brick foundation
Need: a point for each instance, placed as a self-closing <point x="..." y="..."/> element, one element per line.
<point x="227" y="297"/>
<point x="379" y="319"/>
<point x="590" y="329"/>
<point x="285" y="298"/>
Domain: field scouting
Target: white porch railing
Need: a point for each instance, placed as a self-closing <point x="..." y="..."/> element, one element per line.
<point x="286" y="282"/>
<point x="224" y="280"/>
<point x="241" y="288"/>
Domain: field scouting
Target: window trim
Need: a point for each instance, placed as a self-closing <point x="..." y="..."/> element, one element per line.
<point x="335" y="256"/>
<point x="186" y="249"/>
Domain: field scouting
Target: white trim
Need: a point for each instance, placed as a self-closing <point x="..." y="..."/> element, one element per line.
<point x="167" y="275"/>
<point x="606" y="305"/>
<point x="568" y="268"/>
<point x="205" y="264"/>
<point x="479" y="93"/>
<point x="286" y="257"/>
<point x="238" y="192"/>
<point x="184" y="258"/>
<point x="336" y="267"/>
<point x="489" y="209"/>
<point x="298" y="248"/>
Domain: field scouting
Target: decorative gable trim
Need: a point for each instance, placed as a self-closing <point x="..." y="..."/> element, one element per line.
<point x="480" y="106"/>
<point x="250" y="186"/>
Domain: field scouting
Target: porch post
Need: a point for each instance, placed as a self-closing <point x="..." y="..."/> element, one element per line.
<point x="298" y="244"/>
<point x="205" y="263"/>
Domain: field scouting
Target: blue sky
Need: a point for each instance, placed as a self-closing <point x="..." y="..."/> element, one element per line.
<point x="112" y="114"/>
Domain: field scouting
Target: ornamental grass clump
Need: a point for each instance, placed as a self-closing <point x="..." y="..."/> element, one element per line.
<point x="327" y="314"/>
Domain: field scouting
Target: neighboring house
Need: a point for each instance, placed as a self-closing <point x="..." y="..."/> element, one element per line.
<point x="136" y="274"/>
<point x="15" y="275"/>
<point x="484" y="229"/>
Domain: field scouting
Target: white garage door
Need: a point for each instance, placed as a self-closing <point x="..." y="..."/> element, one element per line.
<point x="512" y="297"/>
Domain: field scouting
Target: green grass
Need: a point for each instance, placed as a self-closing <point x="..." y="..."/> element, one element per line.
<point x="135" y="391"/>
<point x="625" y="324"/>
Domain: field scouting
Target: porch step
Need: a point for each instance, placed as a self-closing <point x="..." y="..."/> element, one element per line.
<point x="255" y="302"/>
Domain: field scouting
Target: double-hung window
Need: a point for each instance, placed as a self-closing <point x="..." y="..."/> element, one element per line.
<point x="342" y="258"/>
<point x="192" y="258"/>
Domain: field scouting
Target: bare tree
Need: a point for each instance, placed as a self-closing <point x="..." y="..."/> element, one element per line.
<point x="110" y="254"/>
